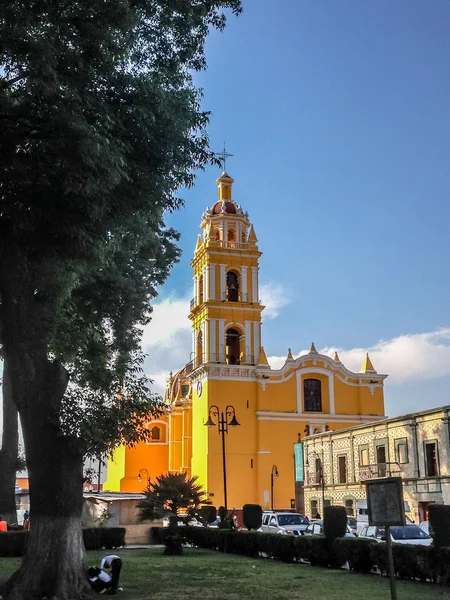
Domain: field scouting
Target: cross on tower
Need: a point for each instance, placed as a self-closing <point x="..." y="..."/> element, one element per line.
<point x="224" y="155"/>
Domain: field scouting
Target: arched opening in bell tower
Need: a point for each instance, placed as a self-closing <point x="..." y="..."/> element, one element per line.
<point x="232" y="286"/>
<point x="234" y="346"/>
<point x="199" y="356"/>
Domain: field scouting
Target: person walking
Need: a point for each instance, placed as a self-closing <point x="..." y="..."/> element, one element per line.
<point x="113" y="564"/>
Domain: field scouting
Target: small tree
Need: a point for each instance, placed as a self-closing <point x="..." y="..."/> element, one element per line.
<point x="252" y="515"/>
<point x="334" y="522"/>
<point x="172" y="493"/>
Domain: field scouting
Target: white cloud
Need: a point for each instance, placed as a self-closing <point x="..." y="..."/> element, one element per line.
<point x="406" y="358"/>
<point x="273" y="296"/>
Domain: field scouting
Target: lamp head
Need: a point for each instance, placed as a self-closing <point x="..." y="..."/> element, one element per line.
<point x="139" y="478"/>
<point x="210" y="422"/>
<point x="233" y="422"/>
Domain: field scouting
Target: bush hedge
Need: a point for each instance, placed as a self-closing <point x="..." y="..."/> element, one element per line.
<point x="439" y="517"/>
<point x="13" y="543"/>
<point x="252" y="516"/>
<point x="334" y="522"/>
<point x="96" y="538"/>
<point x="362" y="555"/>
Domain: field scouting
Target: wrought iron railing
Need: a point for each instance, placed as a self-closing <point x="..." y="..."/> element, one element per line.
<point x="384" y="469"/>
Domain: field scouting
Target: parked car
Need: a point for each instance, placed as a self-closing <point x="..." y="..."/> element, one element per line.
<point x="404" y="534"/>
<point x="283" y="522"/>
<point x="353" y="525"/>
<point x="316" y="528"/>
<point x="426" y="526"/>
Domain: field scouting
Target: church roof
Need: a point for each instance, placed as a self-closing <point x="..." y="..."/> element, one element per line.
<point x="224" y="207"/>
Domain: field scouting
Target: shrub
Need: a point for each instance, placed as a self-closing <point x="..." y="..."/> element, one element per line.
<point x="439" y="517"/>
<point x="208" y="514"/>
<point x="252" y="515"/>
<point x="96" y="538"/>
<point x="355" y="551"/>
<point x="334" y="522"/>
<point x="13" y="543"/>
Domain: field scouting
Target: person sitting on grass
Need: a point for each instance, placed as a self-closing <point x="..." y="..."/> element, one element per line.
<point x="99" y="580"/>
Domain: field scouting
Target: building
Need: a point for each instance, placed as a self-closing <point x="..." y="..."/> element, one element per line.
<point x="415" y="447"/>
<point x="228" y="381"/>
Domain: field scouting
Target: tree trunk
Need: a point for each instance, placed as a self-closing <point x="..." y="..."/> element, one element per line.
<point x="53" y="565"/>
<point x="9" y="451"/>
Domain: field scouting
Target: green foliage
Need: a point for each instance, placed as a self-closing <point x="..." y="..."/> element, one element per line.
<point x="96" y="538"/>
<point x="334" y="522"/>
<point x="171" y="493"/>
<point x="439" y="517"/>
<point x="252" y="515"/>
<point x="13" y="543"/>
<point x="356" y="552"/>
<point x="208" y="514"/>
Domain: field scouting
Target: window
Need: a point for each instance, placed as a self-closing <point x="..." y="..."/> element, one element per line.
<point x="318" y="467"/>
<point x="314" y="508"/>
<point x="381" y="459"/>
<point x="401" y="450"/>
<point x="232" y="347"/>
<point x="312" y="393"/>
<point x="363" y="456"/>
<point x="156" y="433"/>
<point x="349" y="507"/>
<point x="342" y="466"/>
<point x="232" y="287"/>
<point x="431" y="460"/>
<point x="184" y="390"/>
<point x="327" y="503"/>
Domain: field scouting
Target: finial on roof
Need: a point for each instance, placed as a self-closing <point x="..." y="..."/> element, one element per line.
<point x="199" y="242"/>
<point x="312" y="349"/>
<point x="262" y="359"/>
<point x="367" y="366"/>
<point x="336" y="357"/>
<point x="252" y="239"/>
<point x="289" y="356"/>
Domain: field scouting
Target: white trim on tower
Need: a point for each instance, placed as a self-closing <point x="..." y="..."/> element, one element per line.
<point x="212" y="340"/>
<point x="212" y="281"/>
<point x="248" y="341"/>
<point x="221" y="340"/>
<point x="223" y="281"/>
<point x="244" y="283"/>
<point x="256" y="340"/>
<point x="255" y="284"/>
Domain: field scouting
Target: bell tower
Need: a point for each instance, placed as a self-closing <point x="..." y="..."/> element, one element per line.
<point x="226" y="311"/>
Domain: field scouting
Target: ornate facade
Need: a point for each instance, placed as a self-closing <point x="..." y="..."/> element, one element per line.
<point x="228" y="377"/>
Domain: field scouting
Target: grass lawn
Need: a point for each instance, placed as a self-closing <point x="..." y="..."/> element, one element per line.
<point x="204" y="574"/>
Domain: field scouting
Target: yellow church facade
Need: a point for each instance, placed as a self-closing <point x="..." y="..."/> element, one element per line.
<point x="231" y="419"/>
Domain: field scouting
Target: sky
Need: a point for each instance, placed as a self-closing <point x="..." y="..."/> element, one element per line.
<point x="336" y="114"/>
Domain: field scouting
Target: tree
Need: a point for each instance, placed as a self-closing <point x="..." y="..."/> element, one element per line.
<point x="9" y="451"/>
<point x="101" y="126"/>
<point x="178" y="496"/>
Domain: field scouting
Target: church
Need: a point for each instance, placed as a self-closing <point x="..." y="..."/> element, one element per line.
<point x="232" y="420"/>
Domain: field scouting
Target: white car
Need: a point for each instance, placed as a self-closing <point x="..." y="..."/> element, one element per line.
<point x="283" y="522"/>
<point x="316" y="528"/>
<point x="404" y="534"/>
<point x="425" y="525"/>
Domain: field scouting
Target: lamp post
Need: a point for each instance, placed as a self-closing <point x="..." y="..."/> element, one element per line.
<point x="321" y="477"/>
<point x="139" y="478"/>
<point x="227" y="419"/>
<point x="274" y="473"/>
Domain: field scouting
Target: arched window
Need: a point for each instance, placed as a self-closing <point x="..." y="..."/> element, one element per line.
<point x="232" y="349"/>
<point x="349" y="507"/>
<point x="231" y="235"/>
<point x="156" y="433"/>
<point x="312" y="395"/>
<point x="232" y="287"/>
<point x="243" y="237"/>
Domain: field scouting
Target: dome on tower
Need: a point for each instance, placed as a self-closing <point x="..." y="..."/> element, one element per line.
<point x="224" y="206"/>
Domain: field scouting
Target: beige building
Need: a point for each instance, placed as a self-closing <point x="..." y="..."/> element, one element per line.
<point x="415" y="447"/>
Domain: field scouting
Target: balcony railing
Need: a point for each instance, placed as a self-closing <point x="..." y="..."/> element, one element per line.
<point x="375" y="470"/>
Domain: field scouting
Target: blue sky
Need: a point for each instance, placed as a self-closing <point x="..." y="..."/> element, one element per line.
<point x="337" y="116"/>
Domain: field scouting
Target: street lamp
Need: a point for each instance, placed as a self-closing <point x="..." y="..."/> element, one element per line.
<point x="139" y="478"/>
<point x="319" y="471"/>
<point x="227" y="418"/>
<point x="273" y="474"/>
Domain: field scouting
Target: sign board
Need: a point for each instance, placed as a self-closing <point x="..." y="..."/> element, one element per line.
<point x="298" y="457"/>
<point x="385" y="501"/>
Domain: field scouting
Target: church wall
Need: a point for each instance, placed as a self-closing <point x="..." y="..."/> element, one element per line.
<point x="278" y="396"/>
<point x="199" y="461"/>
